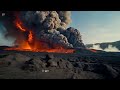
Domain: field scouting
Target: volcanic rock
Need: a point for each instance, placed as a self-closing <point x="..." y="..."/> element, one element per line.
<point x="80" y="65"/>
<point x="48" y="57"/>
<point x="59" y="63"/>
<point x="52" y="63"/>
<point x="34" y="64"/>
<point x="21" y="57"/>
<point x="15" y="59"/>
<point x="90" y="75"/>
<point x="64" y="64"/>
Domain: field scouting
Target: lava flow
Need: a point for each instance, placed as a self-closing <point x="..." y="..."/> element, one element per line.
<point x="30" y="36"/>
<point x="93" y="50"/>
<point x="19" y="25"/>
<point x="33" y="44"/>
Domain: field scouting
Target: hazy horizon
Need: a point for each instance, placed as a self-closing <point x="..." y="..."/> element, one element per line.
<point x="97" y="26"/>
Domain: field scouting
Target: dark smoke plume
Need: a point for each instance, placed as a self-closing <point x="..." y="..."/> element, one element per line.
<point x="49" y="26"/>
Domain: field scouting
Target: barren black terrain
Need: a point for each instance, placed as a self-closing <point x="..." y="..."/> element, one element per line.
<point x="81" y="64"/>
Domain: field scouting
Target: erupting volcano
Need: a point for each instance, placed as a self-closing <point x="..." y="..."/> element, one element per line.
<point x="40" y="45"/>
<point x="44" y="31"/>
<point x="32" y="44"/>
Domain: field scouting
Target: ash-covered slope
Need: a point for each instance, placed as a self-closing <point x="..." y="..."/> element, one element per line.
<point x="31" y="65"/>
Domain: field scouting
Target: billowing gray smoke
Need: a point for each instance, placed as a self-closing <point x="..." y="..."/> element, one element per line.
<point x="52" y="26"/>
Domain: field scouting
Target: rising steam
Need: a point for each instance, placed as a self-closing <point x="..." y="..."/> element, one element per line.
<point x="110" y="48"/>
<point x="97" y="47"/>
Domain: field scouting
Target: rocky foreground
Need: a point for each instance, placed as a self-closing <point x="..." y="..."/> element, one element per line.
<point x="31" y="65"/>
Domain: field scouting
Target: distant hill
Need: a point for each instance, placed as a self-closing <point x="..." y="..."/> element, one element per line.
<point x="105" y="45"/>
<point x="3" y="47"/>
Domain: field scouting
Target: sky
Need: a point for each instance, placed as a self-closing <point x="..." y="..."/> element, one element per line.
<point x="97" y="26"/>
<point x="94" y="26"/>
<point x="3" y="40"/>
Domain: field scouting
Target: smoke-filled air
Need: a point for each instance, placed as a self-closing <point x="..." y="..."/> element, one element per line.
<point x="48" y="30"/>
<point x="40" y="31"/>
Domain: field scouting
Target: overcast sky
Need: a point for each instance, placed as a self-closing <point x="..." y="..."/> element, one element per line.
<point x="97" y="26"/>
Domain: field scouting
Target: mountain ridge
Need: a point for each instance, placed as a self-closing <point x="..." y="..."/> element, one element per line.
<point x="105" y="44"/>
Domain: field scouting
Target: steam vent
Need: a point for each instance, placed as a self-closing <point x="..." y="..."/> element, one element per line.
<point x="42" y="31"/>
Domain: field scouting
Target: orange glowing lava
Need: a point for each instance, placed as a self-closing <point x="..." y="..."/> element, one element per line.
<point x="19" y="24"/>
<point x="33" y="44"/>
<point x="93" y="50"/>
<point x="30" y="37"/>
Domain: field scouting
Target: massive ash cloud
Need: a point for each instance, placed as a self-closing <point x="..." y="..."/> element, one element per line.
<point x="51" y="26"/>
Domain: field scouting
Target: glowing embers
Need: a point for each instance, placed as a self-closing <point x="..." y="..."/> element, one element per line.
<point x="19" y="25"/>
<point x="30" y="37"/>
